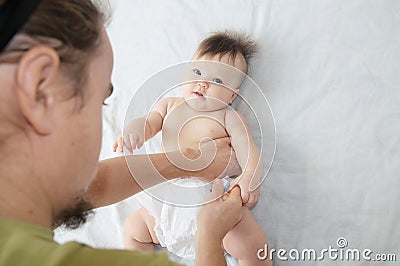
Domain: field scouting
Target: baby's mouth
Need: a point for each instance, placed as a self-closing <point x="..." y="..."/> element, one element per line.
<point x="199" y="94"/>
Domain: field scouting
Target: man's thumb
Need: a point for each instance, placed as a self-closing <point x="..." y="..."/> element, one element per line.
<point x="235" y="192"/>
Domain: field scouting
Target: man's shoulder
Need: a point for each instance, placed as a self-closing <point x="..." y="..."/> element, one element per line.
<point x="26" y="244"/>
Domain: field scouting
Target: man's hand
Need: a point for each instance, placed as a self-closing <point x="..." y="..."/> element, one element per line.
<point x="224" y="163"/>
<point x="249" y="198"/>
<point x="214" y="221"/>
<point x="218" y="217"/>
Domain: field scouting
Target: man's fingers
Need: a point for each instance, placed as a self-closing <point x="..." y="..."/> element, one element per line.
<point x="217" y="189"/>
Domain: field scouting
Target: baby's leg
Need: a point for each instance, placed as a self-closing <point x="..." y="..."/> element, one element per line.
<point x="138" y="231"/>
<point x="245" y="239"/>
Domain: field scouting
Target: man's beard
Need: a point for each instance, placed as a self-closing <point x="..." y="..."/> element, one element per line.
<point x="74" y="216"/>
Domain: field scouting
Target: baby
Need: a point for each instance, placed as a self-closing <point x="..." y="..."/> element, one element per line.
<point x="219" y="67"/>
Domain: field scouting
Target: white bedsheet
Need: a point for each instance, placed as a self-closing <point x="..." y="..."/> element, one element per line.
<point x="330" y="70"/>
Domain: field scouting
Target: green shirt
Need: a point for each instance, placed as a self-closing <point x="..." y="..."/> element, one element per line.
<point x="27" y="244"/>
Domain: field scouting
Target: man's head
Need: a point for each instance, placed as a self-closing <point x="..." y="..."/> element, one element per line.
<point x="219" y="67"/>
<point x="55" y="74"/>
<point x="71" y="28"/>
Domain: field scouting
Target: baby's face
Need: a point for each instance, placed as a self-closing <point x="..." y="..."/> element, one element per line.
<point x="213" y="83"/>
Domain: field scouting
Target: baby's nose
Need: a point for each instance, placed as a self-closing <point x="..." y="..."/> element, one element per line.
<point x="203" y="85"/>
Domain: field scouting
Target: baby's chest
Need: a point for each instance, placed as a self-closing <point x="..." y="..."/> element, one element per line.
<point x="188" y="127"/>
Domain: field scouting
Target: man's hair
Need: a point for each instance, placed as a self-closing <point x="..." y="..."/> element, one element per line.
<point x="71" y="27"/>
<point x="228" y="42"/>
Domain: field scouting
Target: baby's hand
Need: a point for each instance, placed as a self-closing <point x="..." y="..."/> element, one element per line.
<point x="249" y="198"/>
<point x="132" y="140"/>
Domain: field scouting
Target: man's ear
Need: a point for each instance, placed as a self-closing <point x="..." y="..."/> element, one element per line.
<point x="36" y="79"/>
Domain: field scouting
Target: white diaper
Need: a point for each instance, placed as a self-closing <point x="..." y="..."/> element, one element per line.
<point x="176" y="225"/>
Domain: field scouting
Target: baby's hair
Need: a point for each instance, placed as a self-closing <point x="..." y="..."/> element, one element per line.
<point x="224" y="42"/>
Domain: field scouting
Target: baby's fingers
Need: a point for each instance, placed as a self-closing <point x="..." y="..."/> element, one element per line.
<point x="129" y="144"/>
<point x="244" y="193"/>
<point x="115" y="146"/>
<point x="131" y="140"/>
<point x="121" y="143"/>
<point x="253" y="198"/>
<point x="140" y="141"/>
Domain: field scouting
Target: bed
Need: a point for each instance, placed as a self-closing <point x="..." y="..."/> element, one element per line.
<point x="330" y="72"/>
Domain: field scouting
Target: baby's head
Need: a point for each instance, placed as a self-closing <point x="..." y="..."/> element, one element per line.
<point x="217" y="84"/>
<point x="229" y="47"/>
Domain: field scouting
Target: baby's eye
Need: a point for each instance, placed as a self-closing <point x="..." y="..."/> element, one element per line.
<point x="217" y="80"/>
<point x="197" y="72"/>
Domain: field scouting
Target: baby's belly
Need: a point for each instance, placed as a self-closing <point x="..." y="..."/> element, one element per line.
<point x="173" y="145"/>
<point x="192" y="134"/>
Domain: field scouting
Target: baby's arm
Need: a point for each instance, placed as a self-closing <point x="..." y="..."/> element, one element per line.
<point x="142" y="129"/>
<point x="248" y="156"/>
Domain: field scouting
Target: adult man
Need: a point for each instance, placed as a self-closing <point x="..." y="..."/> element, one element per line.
<point x="55" y="71"/>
